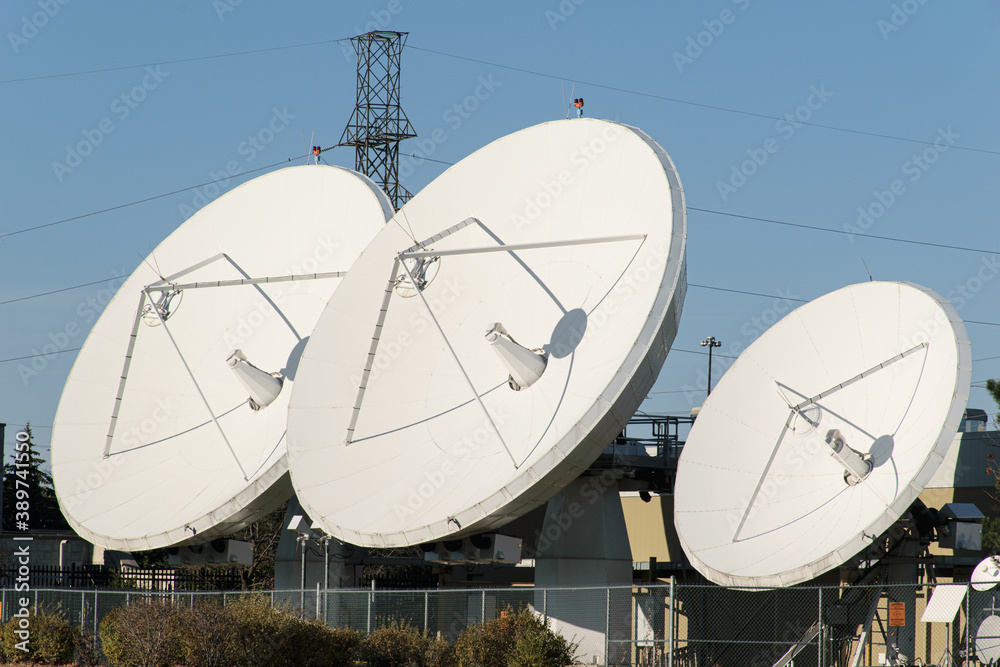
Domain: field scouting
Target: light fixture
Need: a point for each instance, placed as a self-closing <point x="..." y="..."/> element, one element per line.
<point x="264" y="387"/>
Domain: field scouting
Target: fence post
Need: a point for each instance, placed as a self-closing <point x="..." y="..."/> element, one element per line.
<point x="545" y="605"/>
<point x="607" y="626"/>
<point x="482" y="608"/>
<point x="317" y="600"/>
<point x="819" y="621"/>
<point x="426" y="609"/>
<point x="968" y="622"/>
<point x="95" y="615"/>
<point x="371" y="599"/>
<point x="670" y="626"/>
<point x="83" y="611"/>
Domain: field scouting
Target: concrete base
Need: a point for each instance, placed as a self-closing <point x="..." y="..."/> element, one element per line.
<point x="901" y="587"/>
<point x="584" y="543"/>
<point x="288" y="565"/>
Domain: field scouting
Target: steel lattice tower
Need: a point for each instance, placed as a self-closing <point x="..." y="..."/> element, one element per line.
<point x="378" y="123"/>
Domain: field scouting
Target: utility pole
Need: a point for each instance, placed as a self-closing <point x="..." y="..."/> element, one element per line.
<point x="710" y="342"/>
<point x="378" y="123"/>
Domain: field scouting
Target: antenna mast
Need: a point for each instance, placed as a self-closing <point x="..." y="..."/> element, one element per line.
<point x="378" y="123"/>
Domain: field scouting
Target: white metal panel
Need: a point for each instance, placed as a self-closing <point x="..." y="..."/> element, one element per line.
<point x="946" y="599"/>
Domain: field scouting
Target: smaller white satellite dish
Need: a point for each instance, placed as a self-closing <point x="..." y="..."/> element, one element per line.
<point x="987" y="574"/>
<point x="822" y="434"/>
<point x="988" y="639"/>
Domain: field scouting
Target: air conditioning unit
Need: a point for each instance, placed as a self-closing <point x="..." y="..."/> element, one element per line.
<point x="492" y="548"/>
<point x="217" y="551"/>
<point x="448" y="552"/>
<point x="479" y="549"/>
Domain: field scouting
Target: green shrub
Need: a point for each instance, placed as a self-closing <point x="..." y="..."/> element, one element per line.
<point x="268" y="636"/>
<point x="261" y="632"/>
<point x="339" y="647"/>
<point x="52" y="640"/>
<point x="437" y="653"/>
<point x="206" y="635"/>
<point x="513" y="640"/>
<point x="393" y="645"/>
<point x="142" y="634"/>
<point x="87" y="652"/>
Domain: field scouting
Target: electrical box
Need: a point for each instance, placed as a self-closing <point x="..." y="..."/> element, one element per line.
<point x="965" y="527"/>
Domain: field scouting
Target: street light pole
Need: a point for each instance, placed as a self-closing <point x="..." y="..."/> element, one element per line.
<point x="710" y="342"/>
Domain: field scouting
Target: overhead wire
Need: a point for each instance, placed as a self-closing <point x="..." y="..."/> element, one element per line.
<point x="171" y="62"/>
<point x="511" y="68"/>
<point x="143" y="201"/>
<point x="41" y="354"/>
<point x="845" y="232"/>
<point x="700" y="105"/>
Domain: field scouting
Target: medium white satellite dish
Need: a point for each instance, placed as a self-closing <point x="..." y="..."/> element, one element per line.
<point x="171" y="426"/>
<point x="821" y="434"/>
<point x="987" y="574"/>
<point x="988" y="640"/>
<point x="493" y="339"/>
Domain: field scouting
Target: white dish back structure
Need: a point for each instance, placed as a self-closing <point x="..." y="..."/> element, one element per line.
<point x="168" y="475"/>
<point x="988" y="640"/>
<point x="760" y="499"/>
<point x="565" y="239"/>
<point x="987" y="574"/>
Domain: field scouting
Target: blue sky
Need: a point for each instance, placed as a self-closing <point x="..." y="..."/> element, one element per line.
<point x="871" y="117"/>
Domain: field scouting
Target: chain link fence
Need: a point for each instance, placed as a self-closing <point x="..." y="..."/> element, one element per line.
<point x="663" y="624"/>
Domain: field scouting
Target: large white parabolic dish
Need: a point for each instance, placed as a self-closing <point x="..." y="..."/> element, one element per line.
<point x="594" y="214"/>
<point x="760" y="501"/>
<point x="168" y="476"/>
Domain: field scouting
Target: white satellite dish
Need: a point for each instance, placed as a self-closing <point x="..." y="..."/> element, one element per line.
<point x="171" y="426"/>
<point x="987" y="574"/>
<point x="988" y="640"/>
<point x="494" y="339"/>
<point x="821" y="434"/>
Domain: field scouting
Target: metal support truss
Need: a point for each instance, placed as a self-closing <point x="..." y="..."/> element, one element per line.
<point x="378" y="123"/>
